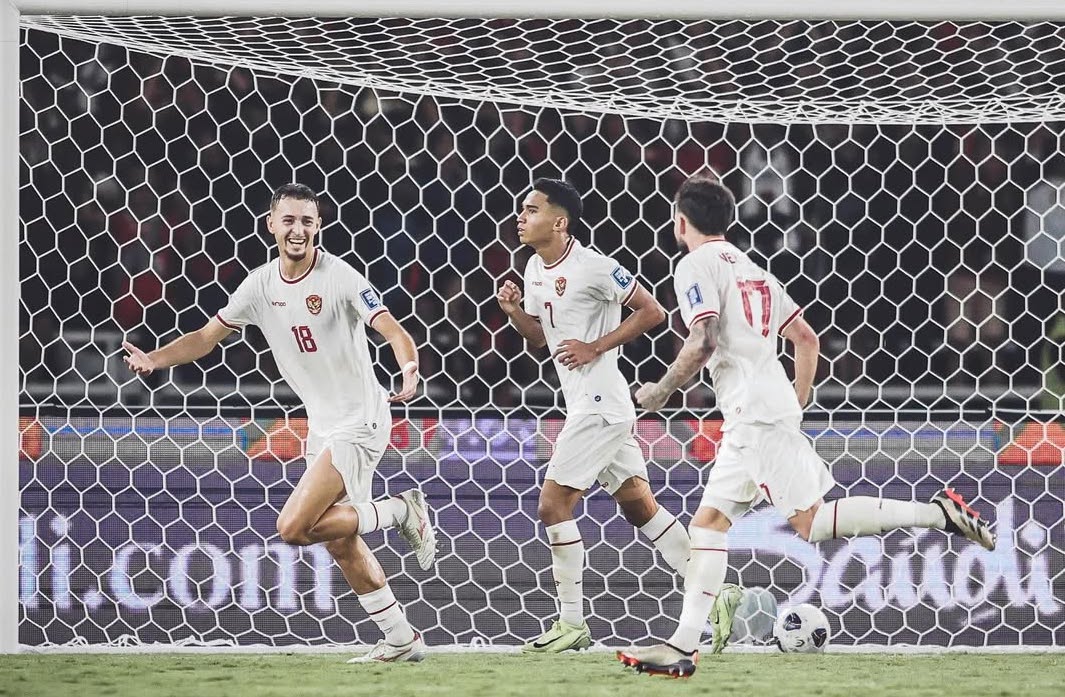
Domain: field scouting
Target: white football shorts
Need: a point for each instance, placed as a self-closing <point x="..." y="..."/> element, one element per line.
<point x="356" y="454"/>
<point x="590" y="449"/>
<point x="766" y="462"/>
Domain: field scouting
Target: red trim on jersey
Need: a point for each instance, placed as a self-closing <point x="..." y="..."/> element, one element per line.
<point x="632" y="292"/>
<point x="789" y="320"/>
<point x="305" y="274"/>
<point x="227" y="324"/>
<point x="702" y="315"/>
<point x="374" y="316"/>
<point x="569" y="248"/>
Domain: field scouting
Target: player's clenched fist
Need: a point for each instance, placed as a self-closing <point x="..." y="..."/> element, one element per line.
<point x="509" y="296"/>
<point x="651" y="396"/>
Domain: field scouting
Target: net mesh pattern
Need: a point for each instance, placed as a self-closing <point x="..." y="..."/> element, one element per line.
<point x="927" y="255"/>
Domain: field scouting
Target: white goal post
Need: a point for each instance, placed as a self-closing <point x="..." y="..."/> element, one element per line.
<point x="10" y="85"/>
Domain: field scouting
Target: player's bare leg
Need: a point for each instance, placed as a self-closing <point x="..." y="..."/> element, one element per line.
<point x="366" y="577"/>
<point x="306" y="519"/>
<point x="315" y="493"/>
<point x="661" y="528"/>
<point x="569" y="632"/>
<point x="867" y="515"/>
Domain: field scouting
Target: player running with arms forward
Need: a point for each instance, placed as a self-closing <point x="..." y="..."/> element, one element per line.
<point x="734" y="311"/>
<point x="313" y="308"/>
<point x="572" y="304"/>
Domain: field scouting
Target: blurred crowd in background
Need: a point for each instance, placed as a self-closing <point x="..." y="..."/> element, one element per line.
<point x="928" y="258"/>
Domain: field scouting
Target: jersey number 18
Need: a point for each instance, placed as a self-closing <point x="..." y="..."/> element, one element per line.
<point x="304" y="339"/>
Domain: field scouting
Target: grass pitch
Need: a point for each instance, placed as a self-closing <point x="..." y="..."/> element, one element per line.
<point x="502" y="675"/>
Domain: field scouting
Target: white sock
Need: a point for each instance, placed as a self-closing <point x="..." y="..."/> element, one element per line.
<point x="706" y="573"/>
<point x="380" y="515"/>
<point x="384" y="609"/>
<point x="567" y="566"/>
<point x="670" y="538"/>
<point x="866" y="515"/>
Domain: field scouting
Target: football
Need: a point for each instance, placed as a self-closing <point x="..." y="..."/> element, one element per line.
<point x="801" y="629"/>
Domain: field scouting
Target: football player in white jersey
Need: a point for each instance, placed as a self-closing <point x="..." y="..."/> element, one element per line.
<point x="572" y="304"/>
<point x="735" y="311"/>
<point x="313" y="308"/>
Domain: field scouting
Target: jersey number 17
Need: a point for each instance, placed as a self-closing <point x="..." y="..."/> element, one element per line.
<point x="749" y="289"/>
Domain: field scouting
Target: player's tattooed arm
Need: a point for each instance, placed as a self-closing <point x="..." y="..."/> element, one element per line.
<point x="697" y="349"/>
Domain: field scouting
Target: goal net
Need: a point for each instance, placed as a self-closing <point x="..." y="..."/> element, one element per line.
<point x="904" y="180"/>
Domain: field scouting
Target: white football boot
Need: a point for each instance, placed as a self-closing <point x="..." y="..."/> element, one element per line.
<point x="383" y="652"/>
<point x="417" y="529"/>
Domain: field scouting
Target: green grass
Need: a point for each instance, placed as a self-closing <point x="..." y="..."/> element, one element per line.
<point x="474" y="675"/>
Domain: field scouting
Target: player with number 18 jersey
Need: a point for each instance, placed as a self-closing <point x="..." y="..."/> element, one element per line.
<point x="316" y="328"/>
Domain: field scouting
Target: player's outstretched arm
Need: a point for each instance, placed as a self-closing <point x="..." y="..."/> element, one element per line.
<point x="185" y="349"/>
<point x="807" y="349"/>
<point x="406" y="354"/>
<point x="509" y="298"/>
<point x="646" y="313"/>
<point x="697" y="349"/>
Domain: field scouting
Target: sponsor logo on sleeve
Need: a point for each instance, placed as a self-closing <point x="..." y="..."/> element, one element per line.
<point x="695" y="296"/>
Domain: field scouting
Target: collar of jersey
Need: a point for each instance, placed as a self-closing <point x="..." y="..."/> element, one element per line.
<point x="305" y="274"/>
<point x="569" y="248"/>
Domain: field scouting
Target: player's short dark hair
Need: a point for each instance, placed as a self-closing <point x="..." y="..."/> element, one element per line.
<point x="707" y="203"/>
<point x="564" y="195"/>
<point x="300" y="192"/>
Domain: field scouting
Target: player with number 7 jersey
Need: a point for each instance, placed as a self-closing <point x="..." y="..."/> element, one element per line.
<point x="313" y="309"/>
<point x="572" y="304"/>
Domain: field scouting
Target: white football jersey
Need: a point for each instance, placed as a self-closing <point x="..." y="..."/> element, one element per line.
<point x="580" y="297"/>
<point x="316" y="327"/>
<point x="753" y="308"/>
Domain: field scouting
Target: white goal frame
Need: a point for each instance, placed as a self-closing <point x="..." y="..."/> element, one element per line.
<point x="11" y="10"/>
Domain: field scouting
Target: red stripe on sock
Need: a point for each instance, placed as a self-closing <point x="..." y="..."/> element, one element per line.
<point x="708" y="549"/>
<point x="664" y="531"/>
<point x="712" y="595"/>
<point x="835" y="514"/>
<point x="377" y="612"/>
<point x="376" y="516"/>
<point x="563" y="544"/>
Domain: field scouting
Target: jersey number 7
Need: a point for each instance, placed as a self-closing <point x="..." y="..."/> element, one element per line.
<point x="748" y="289"/>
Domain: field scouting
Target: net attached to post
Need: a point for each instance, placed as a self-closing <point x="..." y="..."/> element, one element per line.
<point x="904" y="180"/>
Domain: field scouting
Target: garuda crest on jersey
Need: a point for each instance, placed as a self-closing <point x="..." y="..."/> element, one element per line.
<point x="560" y="285"/>
<point x="314" y="304"/>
